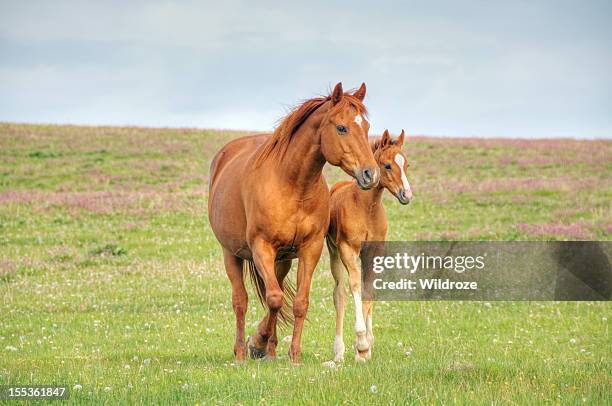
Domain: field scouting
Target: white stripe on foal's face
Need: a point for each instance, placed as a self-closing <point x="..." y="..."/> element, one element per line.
<point x="399" y="160"/>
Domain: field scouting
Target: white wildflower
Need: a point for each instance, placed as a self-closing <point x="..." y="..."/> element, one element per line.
<point x="329" y="364"/>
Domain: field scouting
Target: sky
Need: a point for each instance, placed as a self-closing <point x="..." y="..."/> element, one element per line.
<point x="450" y="68"/>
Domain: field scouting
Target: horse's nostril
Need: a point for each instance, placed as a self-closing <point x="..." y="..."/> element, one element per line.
<point x="367" y="175"/>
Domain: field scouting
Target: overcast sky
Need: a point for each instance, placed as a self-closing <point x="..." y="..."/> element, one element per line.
<point x="460" y="68"/>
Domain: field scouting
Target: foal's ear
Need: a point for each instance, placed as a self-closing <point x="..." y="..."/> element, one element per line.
<point x="385" y="139"/>
<point x="360" y="93"/>
<point x="400" y="139"/>
<point x="337" y="93"/>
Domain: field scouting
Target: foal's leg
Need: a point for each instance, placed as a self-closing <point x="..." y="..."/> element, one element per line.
<point x="233" y="268"/>
<point x="282" y="268"/>
<point x="337" y="269"/>
<point x="308" y="256"/>
<point x="368" y="306"/>
<point x="349" y="257"/>
<point x="264" y="256"/>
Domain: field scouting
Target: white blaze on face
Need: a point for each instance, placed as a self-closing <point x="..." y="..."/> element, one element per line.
<point x="359" y="119"/>
<point x="399" y="160"/>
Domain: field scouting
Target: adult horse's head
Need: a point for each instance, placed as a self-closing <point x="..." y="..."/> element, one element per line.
<point x="344" y="136"/>
<point x="393" y="166"/>
<point x="338" y="127"/>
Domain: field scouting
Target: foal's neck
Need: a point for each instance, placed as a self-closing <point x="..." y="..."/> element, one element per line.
<point x="370" y="197"/>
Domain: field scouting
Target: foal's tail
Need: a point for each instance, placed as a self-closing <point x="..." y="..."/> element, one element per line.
<point x="285" y="314"/>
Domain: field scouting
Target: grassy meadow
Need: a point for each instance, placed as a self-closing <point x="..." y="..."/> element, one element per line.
<point x="111" y="281"/>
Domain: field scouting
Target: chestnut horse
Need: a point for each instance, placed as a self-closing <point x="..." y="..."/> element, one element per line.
<point x="357" y="216"/>
<point x="268" y="204"/>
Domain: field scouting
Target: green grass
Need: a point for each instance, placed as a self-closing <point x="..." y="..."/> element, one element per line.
<point x="111" y="279"/>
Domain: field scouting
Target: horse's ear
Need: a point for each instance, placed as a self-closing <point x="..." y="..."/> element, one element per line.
<point x="361" y="92"/>
<point x="385" y="139"/>
<point x="337" y="93"/>
<point x="400" y="139"/>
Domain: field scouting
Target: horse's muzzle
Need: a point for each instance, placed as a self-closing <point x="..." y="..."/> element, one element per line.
<point x="367" y="178"/>
<point x="404" y="196"/>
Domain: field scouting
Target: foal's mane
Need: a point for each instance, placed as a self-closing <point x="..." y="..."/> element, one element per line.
<point x="288" y="126"/>
<point x="375" y="143"/>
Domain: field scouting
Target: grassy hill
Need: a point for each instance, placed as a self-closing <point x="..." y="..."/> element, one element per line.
<point x="111" y="279"/>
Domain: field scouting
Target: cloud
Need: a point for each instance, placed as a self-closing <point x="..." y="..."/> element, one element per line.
<point x="448" y="68"/>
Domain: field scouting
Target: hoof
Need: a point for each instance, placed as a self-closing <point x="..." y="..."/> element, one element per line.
<point x="362" y="356"/>
<point x="270" y="357"/>
<point x="294" y="359"/>
<point x="254" y="352"/>
<point x="359" y="358"/>
<point x="362" y="344"/>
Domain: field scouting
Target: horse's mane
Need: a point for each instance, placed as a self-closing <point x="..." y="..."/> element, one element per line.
<point x="288" y="126"/>
<point x="375" y="143"/>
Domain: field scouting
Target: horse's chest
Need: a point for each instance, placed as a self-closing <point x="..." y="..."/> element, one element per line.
<point x="292" y="223"/>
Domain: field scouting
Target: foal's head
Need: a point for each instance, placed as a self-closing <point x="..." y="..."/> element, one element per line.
<point x="393" y="166"/>
<point x="344" y="137"/>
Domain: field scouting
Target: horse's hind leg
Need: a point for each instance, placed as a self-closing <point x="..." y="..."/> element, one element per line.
<point x="264" y="257"/>
<point x="337" y="270"/>
<point x="233" y="268"/>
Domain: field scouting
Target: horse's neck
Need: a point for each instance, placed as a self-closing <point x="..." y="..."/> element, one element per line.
<point x="302" y="164"/>
<point x="371" y="197"/>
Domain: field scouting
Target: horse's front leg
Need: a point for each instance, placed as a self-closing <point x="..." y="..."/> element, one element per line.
<point x="349" y="256"/>
<point x="308" y="257"/>
<point x="282" y="268"/>
<point x="368" y="305"/>
<point x="338" y="270"/>
<point x="264" y="256"/>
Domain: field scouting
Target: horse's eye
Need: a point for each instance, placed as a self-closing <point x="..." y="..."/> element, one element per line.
<point x="341" y="129"/>
<point x="387" y="166"/>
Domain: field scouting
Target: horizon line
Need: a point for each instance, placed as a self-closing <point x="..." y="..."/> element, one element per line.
<point x="255" y="131"/>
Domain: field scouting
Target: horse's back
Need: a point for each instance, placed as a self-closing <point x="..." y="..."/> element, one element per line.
<point x="340" y="185"/>
<point x="239" y="150"/>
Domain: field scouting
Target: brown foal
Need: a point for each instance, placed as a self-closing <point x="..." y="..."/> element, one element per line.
<point x="357" y="216"/>
<point x="269" y="204"/>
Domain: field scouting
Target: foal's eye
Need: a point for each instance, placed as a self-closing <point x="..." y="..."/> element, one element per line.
<point x="387" y="166"/>
<point x="341" y="129"/>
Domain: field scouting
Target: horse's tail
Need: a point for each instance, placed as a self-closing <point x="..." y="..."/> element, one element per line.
<point x="285" y="314"/>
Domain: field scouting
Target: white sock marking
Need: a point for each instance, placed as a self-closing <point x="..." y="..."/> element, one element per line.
<point x="359" y="322"/>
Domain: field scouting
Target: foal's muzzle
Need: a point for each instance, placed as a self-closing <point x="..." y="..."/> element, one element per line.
<point x="367" y="178"/>
<point x="404" y="196"/>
